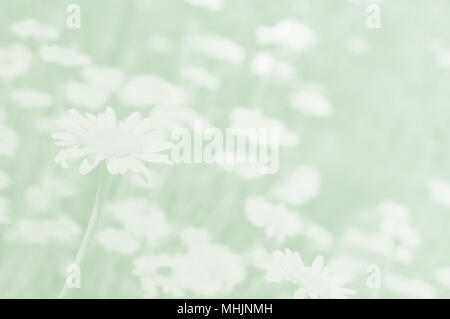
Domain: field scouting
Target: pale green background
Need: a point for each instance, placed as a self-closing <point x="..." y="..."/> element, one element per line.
<point x="387" y="135"/>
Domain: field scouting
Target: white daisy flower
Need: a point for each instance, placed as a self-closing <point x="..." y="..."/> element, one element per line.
<point x="30" y="28"/>
<point x="266" y="65"/>
<point x="118" y="240"/>
<point x="31" y="98"/>
<point x="278" y="221"/>
<point x="213" y="5"/>
<point x="64" y="56"/>
<point x="8" y="141"/>
<point x="299" y="187"/>
<point x="311" y="101"/>
<point x="149" y="90"/>
<point x="314" y="282"/>
<point x="200" y="77"/>
<point x="288" y="34"/>
<point x="439" y="190"/>
<point x="14" y="61"/>
<point x="217" y="47"/>
<point x="124" y="145"/>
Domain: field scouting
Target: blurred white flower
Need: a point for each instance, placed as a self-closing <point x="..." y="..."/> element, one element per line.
<point x="299" y="187"/>
<point x="85" y="95"/>
<point x="141" y="218"/>
<point x="211" y="269"/>
<point x="159" y="272"/>
<point x="439" y="190"/>
<point x="103" y="77"/>
<point x="246" y="118"/>
<point x="64" y="56"/>
<point x="213" y="5"/>
<point x="278" y="221"/>
<point x="381" y="244"/>
<point x="442" y="276"/>
<point x="30" y="28"/>
<point x="192" y="237"/>
<point x="159" y="43"/>
<point x="117" y="240"/>
<point x="288" y="34"/>
<point x="319" y="235"/>
<point x="200" y="77"/>
<point x="4" y="211"/>
<point x="395" y="238"/>
<point x="14" y="61"/>
<point x="393" y="211"/>
<point x="31" y="98"/>
<point x="441" y="52"/>
<point x="149" y="90"/>
<point x="261" y="258"/>
<point x="311" y="101"/>
<point x="124" y="145"/>
<point x="100" y="83"/>
<point x="4" y="180"/>
<point x="266" y="65"/>
<point x="205" y="269"/>
<point x="395" y="224"/>
<point x="358" y="46"/>
<point x="42" y="195"/>
<point x="61" y="229"/>
<point x="365" y="1"/>
<point x="217" y="47"/>
<point x="314" y="282"/>
<point x="8" y="140"/>
<point x="45" y="124"/>
<point x="408" y="287"/>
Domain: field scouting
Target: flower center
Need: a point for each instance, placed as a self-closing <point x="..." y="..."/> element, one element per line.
<point x="113" y="142"/>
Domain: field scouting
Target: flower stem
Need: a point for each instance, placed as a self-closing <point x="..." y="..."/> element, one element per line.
<point x="102" y="192"/>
